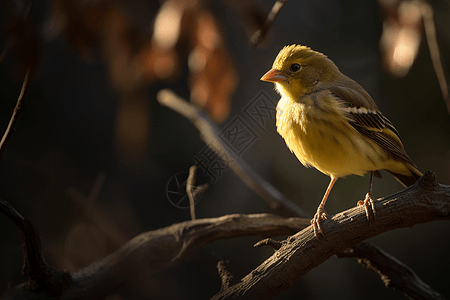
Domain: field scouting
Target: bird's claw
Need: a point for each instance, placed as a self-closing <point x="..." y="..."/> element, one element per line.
<point x="318" y="218"/>
<point x="368" y="202"/>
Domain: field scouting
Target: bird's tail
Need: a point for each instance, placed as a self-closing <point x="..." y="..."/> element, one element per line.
<point x="409" y="179"/>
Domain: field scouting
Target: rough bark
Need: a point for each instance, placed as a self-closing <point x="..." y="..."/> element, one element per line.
<point x="422" y="202"/>
<point x="150" y="252"/>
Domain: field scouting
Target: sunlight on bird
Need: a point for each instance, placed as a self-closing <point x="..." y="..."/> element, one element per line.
<point x="332" y="124"/>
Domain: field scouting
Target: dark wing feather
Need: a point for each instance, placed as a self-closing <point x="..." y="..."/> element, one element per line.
<point x="384" y="140"/>
<point x="372" y="124"/>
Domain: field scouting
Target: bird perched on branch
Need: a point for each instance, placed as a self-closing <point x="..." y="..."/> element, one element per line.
<point x="332" y="124"/>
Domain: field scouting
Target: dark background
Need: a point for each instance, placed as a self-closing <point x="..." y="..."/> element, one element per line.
<point x="65" y="145"/>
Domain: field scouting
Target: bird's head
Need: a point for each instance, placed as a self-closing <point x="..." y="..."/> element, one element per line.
<point x="298" y="70"/>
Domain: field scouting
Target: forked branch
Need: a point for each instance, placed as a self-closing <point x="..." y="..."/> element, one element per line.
<point x="149" y="253"/>
<point x="393" y="272"/>
<point x="422" y="202"/>
<point x="42" y="279"/>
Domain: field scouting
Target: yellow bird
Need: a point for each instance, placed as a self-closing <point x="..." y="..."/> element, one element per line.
<point x="332" y="124"/>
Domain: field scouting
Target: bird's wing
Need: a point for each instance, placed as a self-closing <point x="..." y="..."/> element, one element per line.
<point x="371" y="123"/>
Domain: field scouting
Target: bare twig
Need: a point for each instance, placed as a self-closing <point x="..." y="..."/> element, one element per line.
<point x="422" y="202"/>
<point x="393" y="272"/>
<point x="193" y="191"/>
<point x="269" y="242"/>
<point x="17" y="110"/>
<point x="12" y="214"/>
<point x="190" y="185"/>
<point x="209" y="133"/>
<point x="41" y="277"/>
<point x="430" y="33"/>
<point x="260" y="35"/>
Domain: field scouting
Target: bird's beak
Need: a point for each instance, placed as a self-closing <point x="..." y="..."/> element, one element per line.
<point x="274" y="75"/>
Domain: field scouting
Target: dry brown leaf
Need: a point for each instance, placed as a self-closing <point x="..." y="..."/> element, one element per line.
<point x="138" y="53"/>
<point x="213" y="77"/>
<point x="402" y="35"/>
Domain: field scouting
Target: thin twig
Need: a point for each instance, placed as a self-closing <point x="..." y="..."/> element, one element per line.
<point x="209" y="132"/>
<point x="12" y="214"/>
<point x="260" y="35"/>
<point x="17" y="110"/>
<point x="194" y="192"/>
<point x="430" y="33"/>
<point x="269" y="242"/>
<point x="190" y="185"/>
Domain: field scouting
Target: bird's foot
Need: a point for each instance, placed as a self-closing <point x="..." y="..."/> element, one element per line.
<point x="318" y="218"/>
<point x="368" y="202"/>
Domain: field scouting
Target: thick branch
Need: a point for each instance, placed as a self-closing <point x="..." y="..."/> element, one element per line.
<point x="41" y="277"/>
<point x="150" y="252"/>
<point x="422" y="202"/>
<point x="393" y="272"/>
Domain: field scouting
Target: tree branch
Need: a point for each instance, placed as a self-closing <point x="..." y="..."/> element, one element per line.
<point x="150" y="252"/>
<point x="393" y="272"/>
<point x="260" y="35"/>
<point x="41" y="277"/>
<point x="430" y="33"/>
<point x="143" y="256"/>
<point x="422" y="202"/>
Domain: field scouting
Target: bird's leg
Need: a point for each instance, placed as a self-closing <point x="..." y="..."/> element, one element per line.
<point x="321" y="214"/>
<point x="368" y="201"/>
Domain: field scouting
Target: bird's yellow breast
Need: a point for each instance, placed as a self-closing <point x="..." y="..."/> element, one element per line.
<point x="329" y="144"/>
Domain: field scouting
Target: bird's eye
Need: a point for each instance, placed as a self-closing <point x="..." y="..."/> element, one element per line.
<point x="295" y="67"/>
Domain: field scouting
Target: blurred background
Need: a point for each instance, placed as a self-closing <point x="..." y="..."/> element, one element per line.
<point x="93" y="153"/>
